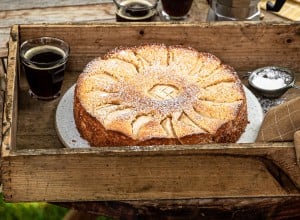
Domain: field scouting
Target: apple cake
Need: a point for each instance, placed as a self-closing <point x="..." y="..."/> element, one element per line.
<point x="158" y="94"/>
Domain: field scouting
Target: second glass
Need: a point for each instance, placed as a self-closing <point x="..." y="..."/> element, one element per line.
<point x="135" y="10"/>
<point x="176" y="9"/>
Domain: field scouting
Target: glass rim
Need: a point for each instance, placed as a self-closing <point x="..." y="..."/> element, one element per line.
<point x="40" y="39"/>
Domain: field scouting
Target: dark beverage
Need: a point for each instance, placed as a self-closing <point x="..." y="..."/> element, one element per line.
<point x="176" y="8"/>
<point x="44" y="68"/>
<point x="135" y="10"/>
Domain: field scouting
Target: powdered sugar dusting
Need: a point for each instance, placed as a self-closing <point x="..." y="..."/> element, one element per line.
<point x="266" y="103"/>
<point x="156" y="89"/>
<point x="271" y="78"/>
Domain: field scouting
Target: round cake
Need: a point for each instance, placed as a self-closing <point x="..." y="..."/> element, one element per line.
<point x="159" y="95"/>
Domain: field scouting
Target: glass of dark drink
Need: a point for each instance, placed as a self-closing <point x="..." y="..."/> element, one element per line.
<point x="176" y="9"/>
<point x="135" y="10"/>
<point x="44" y="61"/>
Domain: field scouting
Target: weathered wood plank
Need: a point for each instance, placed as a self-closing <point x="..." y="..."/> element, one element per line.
<point x="245" y="46"/>
<point x="6" y="5"/>
<point x="4" y="37"/>
<point x="39" y="130"/>
<point x="84" y="13"/>
<point x="150" y="174"/>
<point x="9" y="124"/>
<point x="48" y="12"/>
<point x="138" y="175"/>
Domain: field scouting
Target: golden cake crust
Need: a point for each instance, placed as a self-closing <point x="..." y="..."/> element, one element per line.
<point x="159" y="95"/>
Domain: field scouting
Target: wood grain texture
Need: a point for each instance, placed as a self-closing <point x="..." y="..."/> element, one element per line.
<point x="7" y="5"/>
<point x="43" y="12"/>
<point x="11" y="96"/>
<point x="245" y="46"/>
<point x="147" y="173"/>
<point x="4" y="36"/>
<point x="65" y="14"/>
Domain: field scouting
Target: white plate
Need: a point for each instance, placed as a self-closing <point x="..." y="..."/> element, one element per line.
<point x="70" y="137"/>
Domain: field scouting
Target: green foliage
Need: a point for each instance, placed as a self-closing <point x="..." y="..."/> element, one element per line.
<point x="30" y="211"/>
<point x="33" y="211"/>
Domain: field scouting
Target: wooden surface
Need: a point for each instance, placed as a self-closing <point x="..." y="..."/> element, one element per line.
<point x="152" y="176"/>
<point x="266" y="182"/>
<point x="9" y="5"/>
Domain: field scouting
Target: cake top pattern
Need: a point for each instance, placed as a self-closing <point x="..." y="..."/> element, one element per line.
<point x="171" y="91"/>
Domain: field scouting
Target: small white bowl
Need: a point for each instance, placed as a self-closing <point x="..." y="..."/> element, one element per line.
<point x="271" y="81"/>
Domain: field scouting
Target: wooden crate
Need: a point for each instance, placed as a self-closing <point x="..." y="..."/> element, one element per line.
<point x="37" y="167"/>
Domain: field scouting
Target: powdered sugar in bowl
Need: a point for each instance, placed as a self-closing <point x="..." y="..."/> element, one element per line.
<point x="272" y="81"/>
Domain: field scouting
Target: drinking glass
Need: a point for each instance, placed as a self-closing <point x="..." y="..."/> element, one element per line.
<point x="135" y="10"/>
<point x="44" y="61"/>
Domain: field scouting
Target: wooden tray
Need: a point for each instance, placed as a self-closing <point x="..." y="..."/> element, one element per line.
<point x="37" y="167"/>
